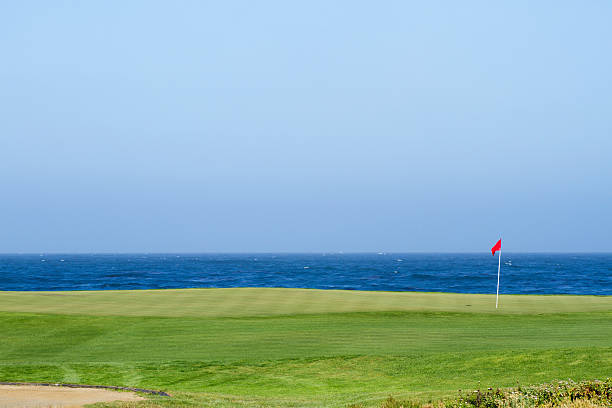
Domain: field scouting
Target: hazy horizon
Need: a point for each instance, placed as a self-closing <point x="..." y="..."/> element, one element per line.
<point x="268" y="127"/>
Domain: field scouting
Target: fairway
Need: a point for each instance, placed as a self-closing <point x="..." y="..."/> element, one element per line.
<point x="298" y="347"/>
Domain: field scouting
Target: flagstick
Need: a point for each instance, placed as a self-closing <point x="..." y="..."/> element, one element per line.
<point x="498" y="269"/>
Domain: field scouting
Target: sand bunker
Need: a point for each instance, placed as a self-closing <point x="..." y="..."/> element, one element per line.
<point x="33" y="396"/>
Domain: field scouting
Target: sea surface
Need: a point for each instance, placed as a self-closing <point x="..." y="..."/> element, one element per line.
<point x="464" y="273"/>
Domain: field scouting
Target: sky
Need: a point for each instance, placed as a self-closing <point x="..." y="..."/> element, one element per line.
<point x="276" y="126"/>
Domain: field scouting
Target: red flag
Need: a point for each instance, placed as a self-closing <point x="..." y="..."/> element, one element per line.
<point x="496" y="247"/>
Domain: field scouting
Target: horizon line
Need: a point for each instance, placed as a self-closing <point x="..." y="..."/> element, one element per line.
<point x="289" y="252"/>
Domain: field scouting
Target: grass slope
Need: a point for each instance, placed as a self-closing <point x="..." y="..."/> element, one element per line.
<point x="293" y="347"/>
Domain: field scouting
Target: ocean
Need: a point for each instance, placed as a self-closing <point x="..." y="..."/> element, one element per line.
<point x="583" y="274"/>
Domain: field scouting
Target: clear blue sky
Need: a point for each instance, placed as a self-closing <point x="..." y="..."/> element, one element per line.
<point x="305" y="126"/>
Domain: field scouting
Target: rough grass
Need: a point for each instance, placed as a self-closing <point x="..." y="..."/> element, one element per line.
<point x="559" y="394"/>
<point x="291" y="347"/>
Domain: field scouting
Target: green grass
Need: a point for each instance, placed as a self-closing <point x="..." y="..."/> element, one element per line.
<point x="237" y="302"/>
<point x="294" y="347"/>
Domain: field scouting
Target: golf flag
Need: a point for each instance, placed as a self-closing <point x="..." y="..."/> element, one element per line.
<point x="496" y="247"/>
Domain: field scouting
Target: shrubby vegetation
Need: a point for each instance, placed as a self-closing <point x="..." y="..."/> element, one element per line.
<point x="560" y="394"/>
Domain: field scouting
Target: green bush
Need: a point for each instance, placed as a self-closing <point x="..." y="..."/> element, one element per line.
<point x="594" y="393"/>
<point x="549" y="395"/>
<point x="563" y="391"/>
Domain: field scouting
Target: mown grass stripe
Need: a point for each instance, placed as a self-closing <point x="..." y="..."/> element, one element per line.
<point x="240" y="302"/>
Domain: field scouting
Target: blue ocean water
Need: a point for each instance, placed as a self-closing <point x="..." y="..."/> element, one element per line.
<point x="464" y="273"/>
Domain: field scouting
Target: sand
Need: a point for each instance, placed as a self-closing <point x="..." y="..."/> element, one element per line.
<point x="31" y="396"/>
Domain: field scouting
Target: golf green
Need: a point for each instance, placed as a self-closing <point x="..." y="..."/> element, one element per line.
<point x="298" y="347"/>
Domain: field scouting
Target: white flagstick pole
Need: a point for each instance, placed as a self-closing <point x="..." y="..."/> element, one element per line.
<point x="498" y="269"/>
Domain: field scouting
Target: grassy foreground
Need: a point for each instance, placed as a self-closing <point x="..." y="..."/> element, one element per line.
<point x="295" y="347"/>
